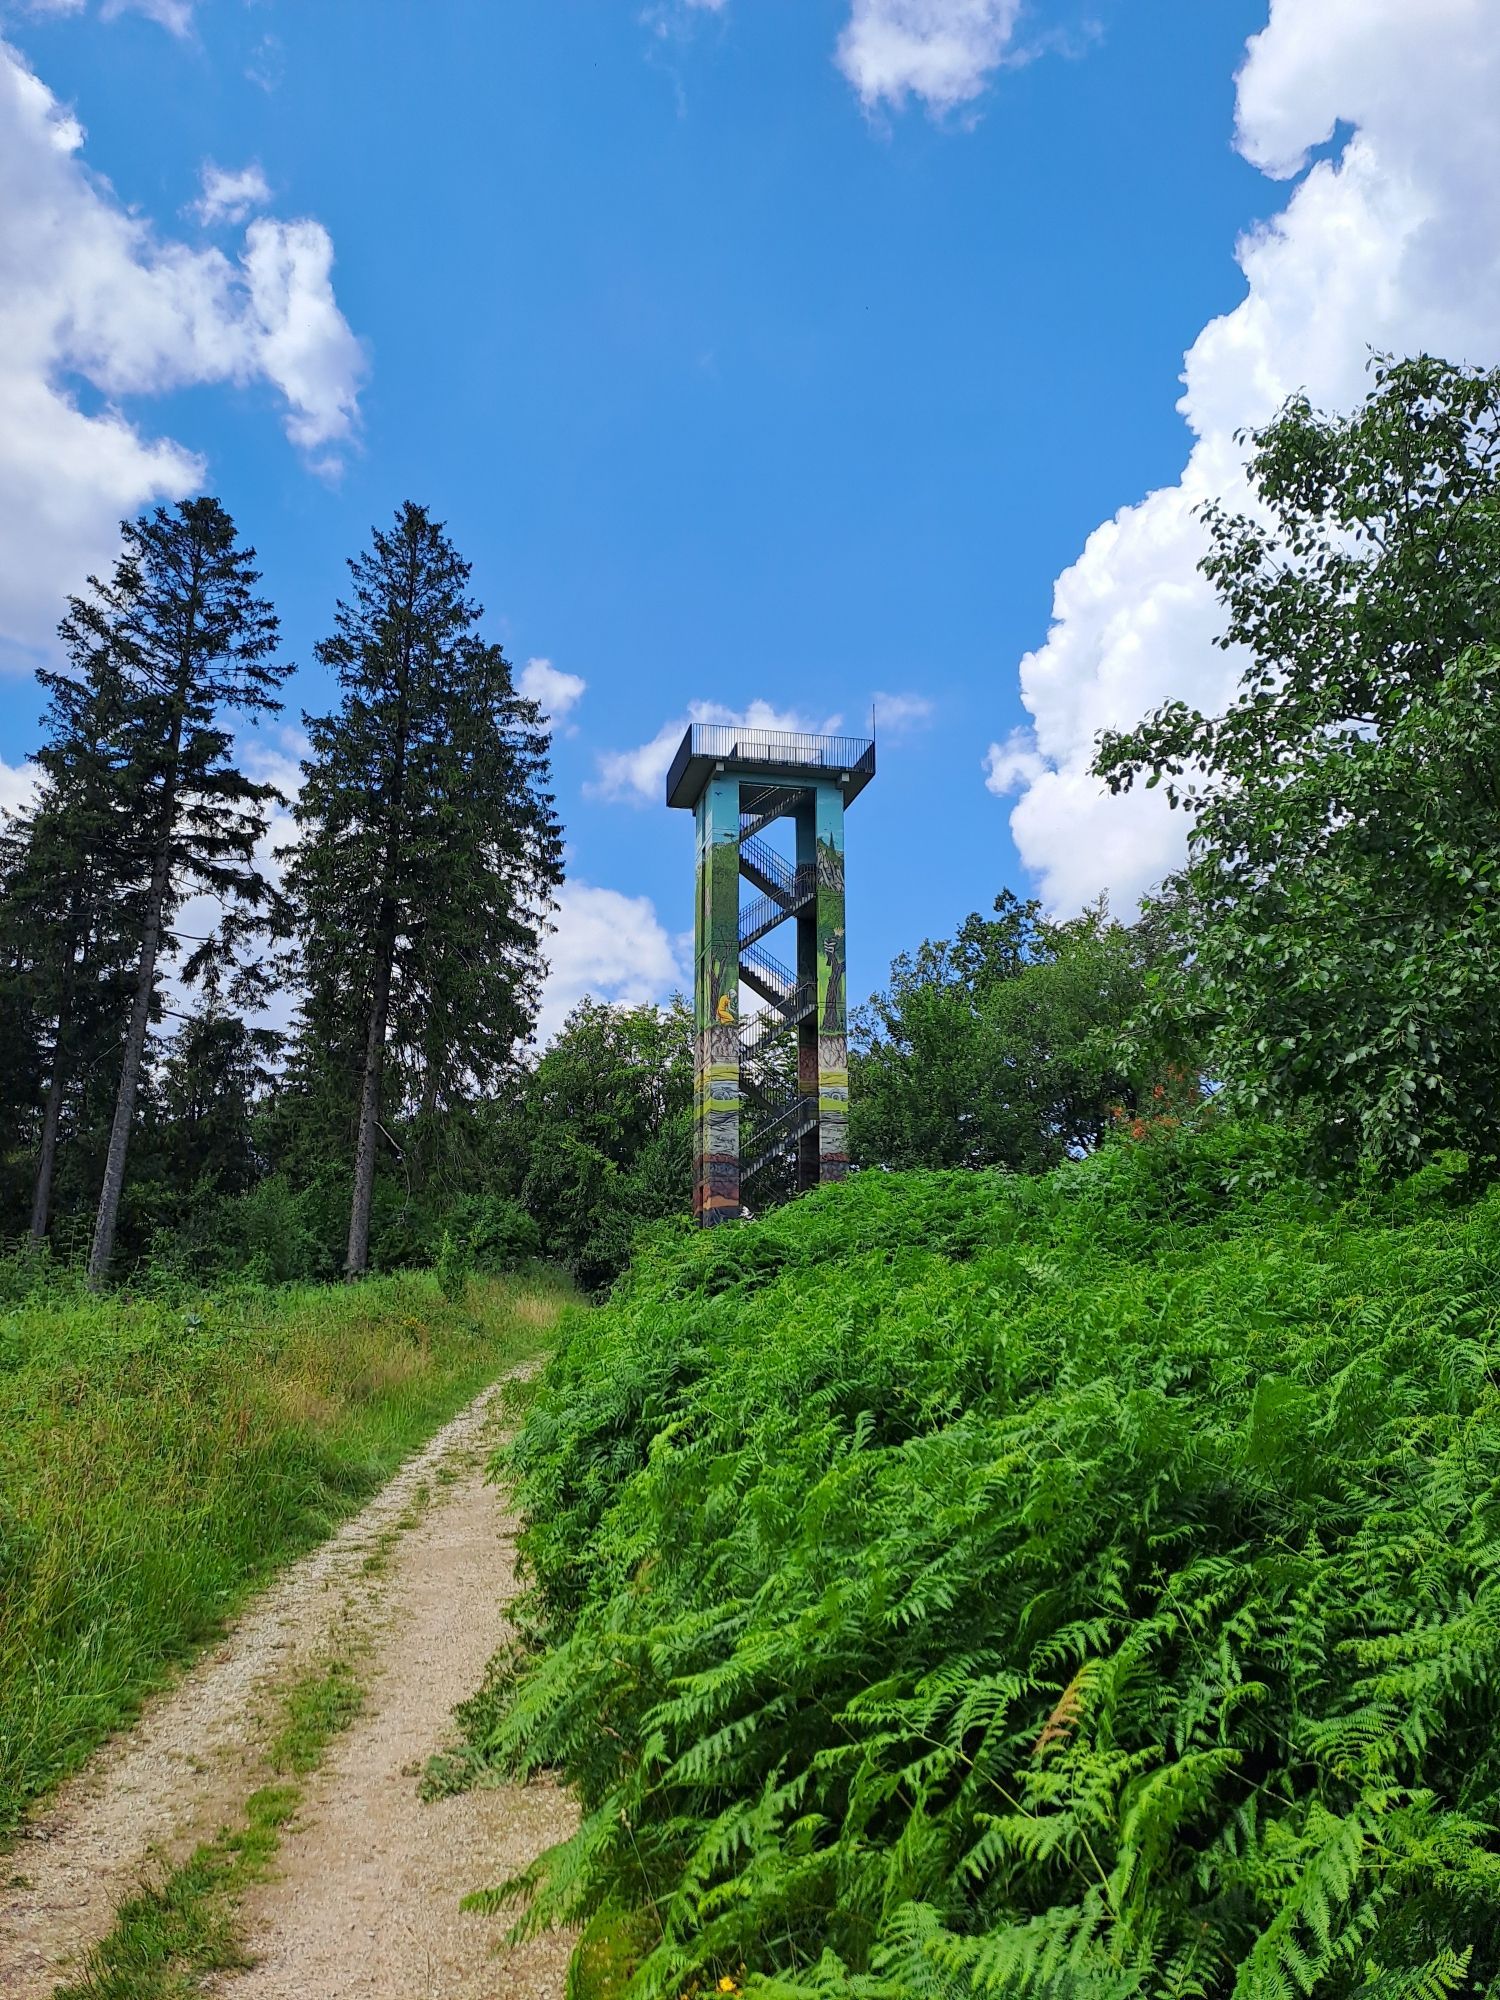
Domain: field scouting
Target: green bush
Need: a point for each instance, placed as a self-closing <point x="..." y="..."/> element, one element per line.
<point x="500" y="1235"/>
<point x="268" y="1228"/>
<point x="1085" y="1586"/>
<point x="453" y="1268"/>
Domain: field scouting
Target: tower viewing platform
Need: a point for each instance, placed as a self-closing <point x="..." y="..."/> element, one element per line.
<point x="767" y="753"/>
<point x="771" y="1098"/>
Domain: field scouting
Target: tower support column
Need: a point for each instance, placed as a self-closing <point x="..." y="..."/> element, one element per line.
<point x="809" y="957"/>
<point x="716" y="1069"/>
<point x="832" y="1015"/>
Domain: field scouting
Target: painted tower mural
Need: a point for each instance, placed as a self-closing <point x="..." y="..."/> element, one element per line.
<point x="771" y="1105"/>
<point x="716" y="987"/>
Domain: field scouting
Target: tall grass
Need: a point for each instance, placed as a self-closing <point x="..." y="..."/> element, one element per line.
<point x="158" y="1456"/>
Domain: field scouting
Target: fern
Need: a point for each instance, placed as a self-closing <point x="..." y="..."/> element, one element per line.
<point x="1074" y="1588"/>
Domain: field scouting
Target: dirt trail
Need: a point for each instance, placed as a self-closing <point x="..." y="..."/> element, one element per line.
<point x="412" y="1592"/>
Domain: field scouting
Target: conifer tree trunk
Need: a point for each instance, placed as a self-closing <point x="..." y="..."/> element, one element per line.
<point x="429" y="851"/>
<point x="145" y="984"/>
<point x="357" y="1254"/>
<point x="41" y="1194"/>
<point x="57" y="1087"/>
<point x="135" y="1040"/>
<point x="143" y="800"/>
<point x="357" y="1257"/>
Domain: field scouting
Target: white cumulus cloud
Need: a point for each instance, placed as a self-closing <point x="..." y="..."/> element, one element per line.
<point x="97" y="308"/>
<point x="942" y="51"/>
<point x="639" y="776"/>
<point x="608" y="945"/>
<point x="1392" y="246"/>
<point x="18" y="785"/>
<point x="230" y="194"/>
<point x="554" y="692"/>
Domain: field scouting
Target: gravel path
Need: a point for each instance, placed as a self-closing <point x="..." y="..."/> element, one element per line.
<point x="412" y="1592"/>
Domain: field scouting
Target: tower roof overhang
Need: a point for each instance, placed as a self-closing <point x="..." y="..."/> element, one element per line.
<point x="711" y="747"/>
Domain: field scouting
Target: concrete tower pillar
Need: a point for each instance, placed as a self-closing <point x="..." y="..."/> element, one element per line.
<point x="716" y="993"/>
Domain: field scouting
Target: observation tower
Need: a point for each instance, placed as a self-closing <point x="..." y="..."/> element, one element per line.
<point x="771" y="1095"/>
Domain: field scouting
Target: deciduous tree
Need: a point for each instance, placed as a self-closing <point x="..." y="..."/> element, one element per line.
<point x="999" y="1047"/>
<point x="1339" y="917"/>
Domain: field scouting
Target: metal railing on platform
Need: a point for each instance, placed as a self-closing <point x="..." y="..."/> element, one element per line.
<point x="765" y="757"/>
<point x="730" y="743"/>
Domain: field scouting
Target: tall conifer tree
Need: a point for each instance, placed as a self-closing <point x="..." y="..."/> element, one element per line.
<point x="71" y="902"/>
<point x="20" y="1037"/>
<point x="430" y="849"/>
<point x="181" y="627"/>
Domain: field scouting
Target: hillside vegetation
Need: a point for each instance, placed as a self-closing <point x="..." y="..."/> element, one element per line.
<point x="1081" y="1586"/>
<point x="159" y="1455"/>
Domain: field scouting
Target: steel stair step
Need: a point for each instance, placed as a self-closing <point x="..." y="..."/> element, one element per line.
<point x="799" y="1118"/>
<point x="762" y="805"/>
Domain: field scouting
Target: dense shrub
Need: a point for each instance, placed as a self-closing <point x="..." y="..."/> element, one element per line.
<point x="1085" y="1586"/>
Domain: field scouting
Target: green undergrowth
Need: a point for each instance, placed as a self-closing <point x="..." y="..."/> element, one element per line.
<point x="1086" y="1587"/>
<point x="175" y="1932"/>
<point x="158" y="1458"/>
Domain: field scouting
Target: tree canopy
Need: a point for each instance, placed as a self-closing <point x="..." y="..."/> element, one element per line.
<point x="999" y="1046"/>
<point x="1338" y="939"/>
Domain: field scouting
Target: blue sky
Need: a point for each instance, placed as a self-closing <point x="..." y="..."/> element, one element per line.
<point x="779" y="351"/>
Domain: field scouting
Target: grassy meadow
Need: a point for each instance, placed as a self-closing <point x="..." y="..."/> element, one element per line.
<point x="160" y="1455"/>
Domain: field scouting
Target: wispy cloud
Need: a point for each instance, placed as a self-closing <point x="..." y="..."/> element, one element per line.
<point x="898" y="715"/>
<point x="176" y="16"/>
<point x="230" y="194"/>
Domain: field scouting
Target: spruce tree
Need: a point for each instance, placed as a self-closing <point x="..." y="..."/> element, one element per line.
<point x="70" y="905"/>
<point x="181" y="627"/>
<point x="218" y="1071"/>
<point x="20" y="1050"/>
<point x="430" y="849"/>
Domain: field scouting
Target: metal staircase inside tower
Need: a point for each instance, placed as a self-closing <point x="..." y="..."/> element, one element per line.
<point x="780" y="1113"/>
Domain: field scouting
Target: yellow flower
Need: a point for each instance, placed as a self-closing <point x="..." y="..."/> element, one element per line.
<point x="727" y="1985"/>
